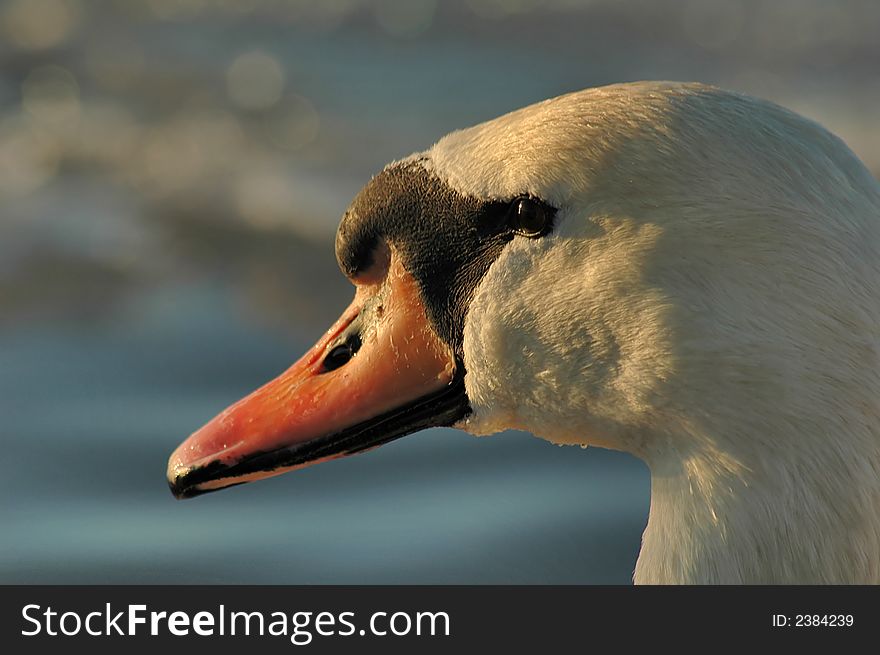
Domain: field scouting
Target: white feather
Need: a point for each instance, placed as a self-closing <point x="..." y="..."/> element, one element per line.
<point x="709" y="301"/>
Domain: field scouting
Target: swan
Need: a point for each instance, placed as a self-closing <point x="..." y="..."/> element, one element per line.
<point x="684" y="273"/>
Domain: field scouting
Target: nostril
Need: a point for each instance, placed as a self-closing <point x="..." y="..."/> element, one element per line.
<point x="340" y="355"/>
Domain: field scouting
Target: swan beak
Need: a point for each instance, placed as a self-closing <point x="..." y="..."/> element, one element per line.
<point x="402" y="378"/>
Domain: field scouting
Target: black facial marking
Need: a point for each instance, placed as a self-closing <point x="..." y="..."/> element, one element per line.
<point x="447" y="240"/>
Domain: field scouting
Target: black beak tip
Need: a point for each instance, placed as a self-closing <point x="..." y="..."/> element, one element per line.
<point x="186" y="484"/>
<point x="180" y="488"/>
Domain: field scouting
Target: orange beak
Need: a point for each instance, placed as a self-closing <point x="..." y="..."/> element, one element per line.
<point x="379" y="373"/>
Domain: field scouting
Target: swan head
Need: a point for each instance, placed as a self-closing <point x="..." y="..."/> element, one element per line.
<point x="666" y="269"/>
<point x="708" y="291"/>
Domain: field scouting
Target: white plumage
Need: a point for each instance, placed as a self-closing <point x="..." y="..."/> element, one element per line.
<point x="710" y="302"/>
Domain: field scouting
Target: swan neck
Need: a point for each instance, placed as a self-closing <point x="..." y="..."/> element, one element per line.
<point x="716" y="519"/>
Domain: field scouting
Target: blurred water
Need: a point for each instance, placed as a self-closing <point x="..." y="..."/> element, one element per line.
<point x="171" y="175"/>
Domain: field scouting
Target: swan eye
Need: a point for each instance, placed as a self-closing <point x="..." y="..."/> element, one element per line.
<point x="530" y="217"/>
<point x="340" y="355"/>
